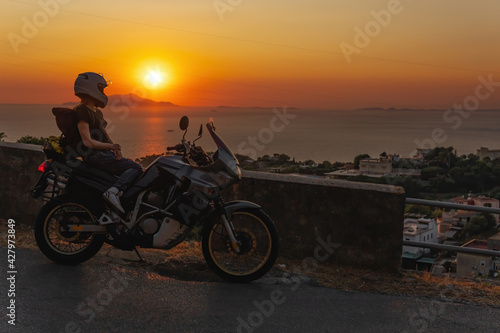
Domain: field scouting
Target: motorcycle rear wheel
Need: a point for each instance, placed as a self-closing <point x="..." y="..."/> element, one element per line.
<point x="59" y="245"/>
<point x="259" y="244"/>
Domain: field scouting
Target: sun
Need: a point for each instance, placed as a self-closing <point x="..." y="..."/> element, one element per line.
<point x="154" y="79"/>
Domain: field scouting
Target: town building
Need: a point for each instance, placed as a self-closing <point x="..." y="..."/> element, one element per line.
<point x="483" y="152"/>
<point x="419" y="230"/>
<point x="376" y="168"/>
<point x="452" y="223"/>
<point x="480" y="265"/>
<point x="421" y="152"/>
<point x="482" y="201"/>
<point x="380" y="166"/>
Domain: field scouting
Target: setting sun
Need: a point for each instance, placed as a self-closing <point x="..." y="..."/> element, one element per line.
<point x="154" y="79"/>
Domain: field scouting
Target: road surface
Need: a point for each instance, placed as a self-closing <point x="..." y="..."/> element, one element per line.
<point x="112" y="294"/>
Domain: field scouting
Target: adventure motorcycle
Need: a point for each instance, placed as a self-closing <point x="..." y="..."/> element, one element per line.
<point x="173" y="195"/>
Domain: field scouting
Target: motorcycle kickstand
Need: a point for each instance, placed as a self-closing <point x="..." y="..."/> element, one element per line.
<point x="139" y="255"/>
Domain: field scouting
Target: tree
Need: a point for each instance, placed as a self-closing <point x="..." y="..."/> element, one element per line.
<point x="480" y="223"/>
<point x="383" y="154"/>
<point x="446" y="157"/>
<point x="264" y="158"/>
<point x="476" y="225"/>
<point x="242" y="158"/>
<point x="490" y="219"/>
<point x="412" y="187"/>
<point x="283" y="159"/>
<point x="443" y="184"/>
<point x="457" y="173"/>
<point x="421" y="210"/>
<point x="430" y="172"/>
<point x="2" y="136"/>
<point x="31" y="140"/>
<point x="325" y="165"/>
<point x="359" y="158"/>
<point x="437" y="213"/>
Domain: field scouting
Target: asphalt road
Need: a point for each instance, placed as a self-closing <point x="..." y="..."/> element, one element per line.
<point x="110" y="294"/>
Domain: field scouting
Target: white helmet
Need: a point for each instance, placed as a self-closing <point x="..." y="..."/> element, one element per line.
<point x="92" y="84"/>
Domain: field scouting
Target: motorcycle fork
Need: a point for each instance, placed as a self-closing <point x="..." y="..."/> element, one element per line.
<point x="235" y="245"/>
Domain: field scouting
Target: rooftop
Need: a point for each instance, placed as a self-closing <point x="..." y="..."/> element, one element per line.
<point x="495" y="237"/>
<point x="477" y="244"/>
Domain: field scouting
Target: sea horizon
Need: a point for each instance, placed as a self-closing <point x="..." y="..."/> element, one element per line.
<point x="304" y="134"/>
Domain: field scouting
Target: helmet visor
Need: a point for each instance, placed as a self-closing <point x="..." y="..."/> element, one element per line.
<point x="104" y="84"/>
<point x="108" y="81"/>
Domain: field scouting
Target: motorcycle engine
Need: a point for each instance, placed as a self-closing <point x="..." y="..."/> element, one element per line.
<point x="155" y="199"/>
<point x="170" y="231"/>
<point x="150" y="225"/>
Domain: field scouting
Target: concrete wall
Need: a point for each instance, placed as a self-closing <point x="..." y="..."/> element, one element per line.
<point x="365" y="219"/>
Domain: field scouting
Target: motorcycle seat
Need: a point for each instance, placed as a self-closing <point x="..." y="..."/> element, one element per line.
<point x="91" y="172"/>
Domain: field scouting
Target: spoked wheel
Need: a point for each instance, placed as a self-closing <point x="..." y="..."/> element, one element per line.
<point x="54" y="239"/>
<point x="258" y="246"/>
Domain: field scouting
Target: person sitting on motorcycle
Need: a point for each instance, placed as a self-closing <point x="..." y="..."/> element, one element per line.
<point x="102" y="152"/>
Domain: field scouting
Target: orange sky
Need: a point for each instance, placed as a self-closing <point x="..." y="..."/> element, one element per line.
<point x="268" y="53"/>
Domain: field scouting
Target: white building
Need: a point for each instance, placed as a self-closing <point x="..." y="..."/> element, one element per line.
<point x="419" y="230"/>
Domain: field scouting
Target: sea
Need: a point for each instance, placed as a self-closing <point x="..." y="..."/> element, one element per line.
<point x="302" y="133"/>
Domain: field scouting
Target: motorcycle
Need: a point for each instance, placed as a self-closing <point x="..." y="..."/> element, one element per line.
<point x="174" y="194"/>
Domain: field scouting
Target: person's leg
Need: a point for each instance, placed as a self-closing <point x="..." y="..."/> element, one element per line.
<point x="132" y="171"/>
<point x="128" y="171"/>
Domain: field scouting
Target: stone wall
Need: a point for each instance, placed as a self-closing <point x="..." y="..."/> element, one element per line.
<point x="18" y="175"/>
<point x="366" y="220"/>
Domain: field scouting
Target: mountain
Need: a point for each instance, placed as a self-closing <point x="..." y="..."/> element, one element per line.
<point x="130" y="100"/>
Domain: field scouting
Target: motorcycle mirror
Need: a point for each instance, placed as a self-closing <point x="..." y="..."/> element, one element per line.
<point x="184" y="123"/>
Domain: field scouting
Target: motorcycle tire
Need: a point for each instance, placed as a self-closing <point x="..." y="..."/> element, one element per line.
<point x="63" y="247"/>
<point x="259" y="244"/>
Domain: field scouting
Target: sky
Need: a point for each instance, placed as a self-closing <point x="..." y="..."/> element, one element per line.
<point x="303" y="53"/>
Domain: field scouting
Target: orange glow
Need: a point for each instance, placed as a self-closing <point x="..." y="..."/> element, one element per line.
<point x="192" y="54"/>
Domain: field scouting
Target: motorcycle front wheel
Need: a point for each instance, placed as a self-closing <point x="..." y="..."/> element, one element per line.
<point x="57" y="243"/>
<point x="258" y="246"/>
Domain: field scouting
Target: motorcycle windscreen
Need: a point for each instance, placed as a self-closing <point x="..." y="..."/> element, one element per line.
<point x="220" y="143"/>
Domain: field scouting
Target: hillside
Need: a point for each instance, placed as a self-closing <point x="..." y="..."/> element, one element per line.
<point x="131" y="100"/>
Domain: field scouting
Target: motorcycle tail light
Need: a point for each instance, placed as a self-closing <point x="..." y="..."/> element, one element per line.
<point x="43" y="167"/>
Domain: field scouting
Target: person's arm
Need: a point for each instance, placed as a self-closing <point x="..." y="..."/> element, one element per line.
<point x="116" y="152"/>
<point x="84" y="130"/>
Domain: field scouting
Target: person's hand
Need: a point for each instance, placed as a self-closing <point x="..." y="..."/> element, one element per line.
<point x="117" y="151"/>
<point x="118" y="154"/>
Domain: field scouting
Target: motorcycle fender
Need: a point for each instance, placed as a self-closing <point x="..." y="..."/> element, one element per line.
<point x="40" y="186"/>
<point x="231" y="206"/>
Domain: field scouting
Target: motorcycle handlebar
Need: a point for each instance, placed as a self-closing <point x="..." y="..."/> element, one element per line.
<point x="176" y="147"/>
